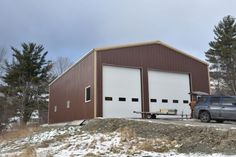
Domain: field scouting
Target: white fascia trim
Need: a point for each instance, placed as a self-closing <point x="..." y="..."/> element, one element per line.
<point x="130" y="45"/>
<point x="149" y="43"/>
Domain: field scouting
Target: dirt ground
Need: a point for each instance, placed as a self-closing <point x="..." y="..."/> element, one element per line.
<point x="191" y="135"/>
<point x="123" y="137"/>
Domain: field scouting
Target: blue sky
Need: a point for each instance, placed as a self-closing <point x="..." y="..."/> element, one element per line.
<point x="71" y="28"/>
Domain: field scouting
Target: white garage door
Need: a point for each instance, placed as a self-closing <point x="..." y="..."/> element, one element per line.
<point x="169" y="91"/>
<point x="121" y="92"/>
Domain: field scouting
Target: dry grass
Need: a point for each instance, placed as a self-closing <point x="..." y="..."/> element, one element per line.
<point x="28" y="152"/>
<point x="91" y="155"/>
<point x="157" y="145"/>
<point x="127" y="134"/>
<point x="46" y="143"/>
<point x="66" y="146"/>
<point x="49" y="155"/>
<point x="61" y="137"/>
<point x="93" y="144"/>
<point x="115" y="149"/>
<point x="19" y="133"/>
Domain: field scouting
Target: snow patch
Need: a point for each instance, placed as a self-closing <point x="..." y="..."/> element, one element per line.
<point x="70" y="141"/>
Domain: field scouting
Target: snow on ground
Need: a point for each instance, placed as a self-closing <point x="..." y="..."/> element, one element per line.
<point x="70" y="141"/>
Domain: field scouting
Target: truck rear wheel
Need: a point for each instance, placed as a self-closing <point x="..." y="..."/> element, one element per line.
<point x="153" y="116"/>
<point x="205" y="117"/>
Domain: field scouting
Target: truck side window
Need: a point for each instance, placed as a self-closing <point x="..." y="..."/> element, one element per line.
<point x="202" y="99"/>
<point x="229" y="101"/>
<point x="215" y="101"/>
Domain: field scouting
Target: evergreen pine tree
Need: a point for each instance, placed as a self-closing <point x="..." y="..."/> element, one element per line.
<point x="27" y="78"/>
<point x="222" y="56"/>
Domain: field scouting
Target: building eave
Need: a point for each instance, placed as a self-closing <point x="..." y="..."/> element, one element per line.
<point x="77" y="62"/>
<point x="125" y="46"/>
<point x="150" y="43"/>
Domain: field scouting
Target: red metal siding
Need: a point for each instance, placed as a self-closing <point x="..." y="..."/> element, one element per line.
<point x="71" y="86"/>
<point x="153" y="56"/>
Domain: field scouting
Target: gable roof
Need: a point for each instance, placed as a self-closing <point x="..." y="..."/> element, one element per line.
<point x="125" y="46"/>
<point x="150" y="43"/>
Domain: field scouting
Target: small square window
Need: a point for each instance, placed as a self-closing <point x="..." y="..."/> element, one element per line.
<point x="134" y="99"/>
<point x="88" y="94"/>
<point x="68" y="104"/>
<point x="55" y="108"/>
<point x="185" y="101"/>
<point x="108" y="98"/>
<point x="122" y="99"/>
<point x="175" y="101"/>
<point x="153" y="100"/>
<point x="165" y="100"/>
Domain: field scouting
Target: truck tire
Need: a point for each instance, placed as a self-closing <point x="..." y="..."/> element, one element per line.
<point x="205" y="117"/>
<point x="153" y="116"/>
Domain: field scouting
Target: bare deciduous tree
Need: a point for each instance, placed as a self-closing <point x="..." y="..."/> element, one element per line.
<point x="60" y="65"/>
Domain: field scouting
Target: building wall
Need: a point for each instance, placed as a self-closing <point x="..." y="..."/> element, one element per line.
<point x="71" y="86"/>
<point x="152" y="56"/>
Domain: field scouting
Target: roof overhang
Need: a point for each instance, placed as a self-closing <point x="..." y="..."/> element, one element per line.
<point x="129" y="45"/>
<point x="77" y="62"/>
<point x="150" y="43"/>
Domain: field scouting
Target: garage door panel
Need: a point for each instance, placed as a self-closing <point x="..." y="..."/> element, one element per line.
<point x="119" y="109"/>
<point x="173" y="87"/>
<point x="123" y="85"/>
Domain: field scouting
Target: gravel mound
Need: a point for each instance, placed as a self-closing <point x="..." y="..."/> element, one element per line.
<point x="192" y="139"/>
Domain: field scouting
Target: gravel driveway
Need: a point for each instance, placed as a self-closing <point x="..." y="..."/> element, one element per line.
<point x="194" y="122"/>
